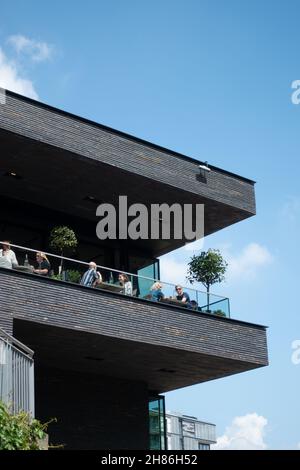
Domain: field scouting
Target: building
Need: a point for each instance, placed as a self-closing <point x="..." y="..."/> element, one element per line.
<point x="188" y="433"/>
<point x="103" y="358"/>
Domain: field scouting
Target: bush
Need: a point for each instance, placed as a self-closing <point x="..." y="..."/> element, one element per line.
<point x="20" y="431"/>
<point x="220" y="313"/>
<point x="71" y="275"/>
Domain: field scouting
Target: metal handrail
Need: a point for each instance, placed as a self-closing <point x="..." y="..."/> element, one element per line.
<point x="15" y="342"/>
<point x="110" y="269"/>
<point x="16" y="374"/>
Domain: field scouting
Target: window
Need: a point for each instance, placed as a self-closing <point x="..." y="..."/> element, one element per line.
<point x="188" y="428"/>
<point x="203" y="446"/>
<point x="157" y="429"/>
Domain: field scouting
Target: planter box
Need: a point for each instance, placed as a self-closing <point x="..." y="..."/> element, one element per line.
<point x="44" y="443"/>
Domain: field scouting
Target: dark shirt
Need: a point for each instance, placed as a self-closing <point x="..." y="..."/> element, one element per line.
<point x="184" y="296"/>
<point x="45" y="265"/>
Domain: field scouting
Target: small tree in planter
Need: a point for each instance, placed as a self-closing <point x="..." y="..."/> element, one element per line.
<point x="62" y="238"/>
<point x="208" y="268"/>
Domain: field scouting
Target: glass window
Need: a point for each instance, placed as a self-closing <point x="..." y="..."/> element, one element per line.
<point x="150" y="271"/>
<point x="203" y="446"/>
<point x="157" y="430"/>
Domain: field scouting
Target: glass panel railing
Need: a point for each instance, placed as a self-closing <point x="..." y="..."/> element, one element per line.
<point x="90" y="275"/>
<point x="217" y="305"/>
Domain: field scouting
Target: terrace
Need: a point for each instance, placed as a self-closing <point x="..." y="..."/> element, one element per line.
<point x="102" y="330"/>
<point x="140" y="286"/>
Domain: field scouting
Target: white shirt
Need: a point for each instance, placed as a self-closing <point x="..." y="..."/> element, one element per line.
<point x="10" y="256"/>
<point x="128" y="288"/>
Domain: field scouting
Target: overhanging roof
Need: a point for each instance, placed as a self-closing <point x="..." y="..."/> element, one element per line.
<point x="61" y="159"/>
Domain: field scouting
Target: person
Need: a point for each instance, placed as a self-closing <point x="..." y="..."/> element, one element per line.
<point x="182" y="296"/>
<point x="91" y="277"/>
<point x="44" y="266"/>
<point x="194" y="305"/>
<point x="8" y="254"/>
<point x="156" y="292"/>
<point x="125" y="283"/>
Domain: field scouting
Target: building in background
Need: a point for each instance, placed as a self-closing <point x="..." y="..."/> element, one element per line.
<point x="188" y="433"/>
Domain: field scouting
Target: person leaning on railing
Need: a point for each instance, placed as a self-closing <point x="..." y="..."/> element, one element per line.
<point x="91" y="277"/>
<point x="156" y="293"/>
<point x="182" y="296"/>
<point x="44" y="266"/>
<point x="125" y="283"/>
<point x="8" y="253"/>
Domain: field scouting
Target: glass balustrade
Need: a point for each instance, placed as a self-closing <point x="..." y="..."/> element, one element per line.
<point x="90" y="275"/>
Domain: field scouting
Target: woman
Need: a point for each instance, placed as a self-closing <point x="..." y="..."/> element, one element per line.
<point x="125" y="283"/>
<point x="156" y="292"/>
<point x="8" y="254"/>
<point x="43" y="264"/>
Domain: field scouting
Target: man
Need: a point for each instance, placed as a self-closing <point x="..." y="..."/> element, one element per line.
<point x="91" y="277"/>
<point x="182" y="296"/>
<point x="8" y="254"/>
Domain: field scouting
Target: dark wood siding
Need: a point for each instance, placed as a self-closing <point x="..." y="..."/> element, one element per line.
<point x="6" y="319"/>
<point x="62" y="130"/>
<point x="59" y="304"/>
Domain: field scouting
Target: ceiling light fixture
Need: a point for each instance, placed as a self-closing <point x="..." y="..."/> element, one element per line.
<point x="92" y="199"/>
<point x="13" y="174"/>
<point x="204" y="168"/>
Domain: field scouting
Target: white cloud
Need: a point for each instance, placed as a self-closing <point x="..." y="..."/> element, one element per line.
<point x="11" y="79"/>
<point x="244" y="433"/>
<point x="245" y="265"/>
<point x="241" y="266"/>
<point x="291" y="209"/>
<point x="38" y="51"/>
<point x="298" y="445"/>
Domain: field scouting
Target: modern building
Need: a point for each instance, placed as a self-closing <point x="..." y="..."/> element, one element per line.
<point x="102" y="358"/>
<point x="188" y="433"/>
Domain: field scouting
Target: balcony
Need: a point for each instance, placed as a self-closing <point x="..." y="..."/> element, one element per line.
<point x="101" y="330"/>
<point x="16" y="375"/>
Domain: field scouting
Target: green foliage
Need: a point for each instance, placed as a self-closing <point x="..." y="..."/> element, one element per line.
<point x="70" y="275"/>
<point x="19" y="432"/>
<point x="208" y="268"/>
<point x="220" y="313"/>
<point x="73" y="276"/>
<point x="62" y="238"/>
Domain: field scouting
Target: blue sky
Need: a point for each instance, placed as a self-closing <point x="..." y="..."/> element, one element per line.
<point x="211" y="79"/>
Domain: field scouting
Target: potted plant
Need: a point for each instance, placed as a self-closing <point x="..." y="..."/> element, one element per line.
<point x="62" y="238"/>
<point x="219" y="313"/>
<point x="72" y="275"/>
<point x="208" y="268"/>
